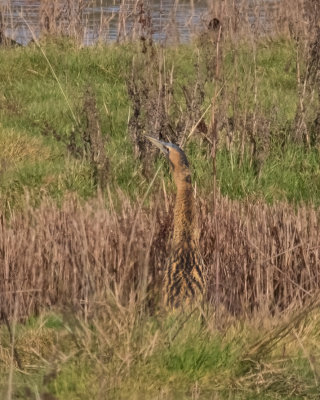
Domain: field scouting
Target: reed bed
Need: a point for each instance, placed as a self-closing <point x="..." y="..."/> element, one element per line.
<point x="100" y="22"/>
<point x="85" y="276"/>
<point x="259" y="258"/>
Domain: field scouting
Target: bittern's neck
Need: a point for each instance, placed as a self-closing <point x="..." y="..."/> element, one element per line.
<point x="184" y="213"/>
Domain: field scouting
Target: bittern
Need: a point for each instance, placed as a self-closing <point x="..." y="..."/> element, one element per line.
<point x="183" y="278"/>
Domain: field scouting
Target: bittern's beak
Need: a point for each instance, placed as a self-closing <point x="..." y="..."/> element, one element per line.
<point x="161" y="145"/>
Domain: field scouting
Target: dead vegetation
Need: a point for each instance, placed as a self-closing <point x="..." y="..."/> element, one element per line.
<point x="260" y="258"/>
<point x="62" y="18"/>
<point x="159" y="107"/>
<point x="94" y="141"/>
<point x="86" y="140"/>
<point x="104" y="265"/>
<point x="175" y="111"/>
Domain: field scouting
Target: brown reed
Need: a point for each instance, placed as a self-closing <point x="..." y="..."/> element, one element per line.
<point x="239" y="19"/>
<point x="259" y="257"/>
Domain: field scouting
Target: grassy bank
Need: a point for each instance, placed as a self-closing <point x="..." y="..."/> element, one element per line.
<point x="42" y="119"/>
<point x="125" y="355"/>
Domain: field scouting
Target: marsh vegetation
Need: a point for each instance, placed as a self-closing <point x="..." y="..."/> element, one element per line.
<point x="86" y="209"/>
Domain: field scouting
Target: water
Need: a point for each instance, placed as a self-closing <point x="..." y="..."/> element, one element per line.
<point x="181" y="18"/>
<point x="101" y="19"/>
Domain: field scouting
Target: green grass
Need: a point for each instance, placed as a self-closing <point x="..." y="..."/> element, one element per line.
<point x="33" y="107"/>
<point x="77" y="360"/>
<point x="292" y="176"/>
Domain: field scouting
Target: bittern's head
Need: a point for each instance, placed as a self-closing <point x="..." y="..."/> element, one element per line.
<point x="178" y="161"/>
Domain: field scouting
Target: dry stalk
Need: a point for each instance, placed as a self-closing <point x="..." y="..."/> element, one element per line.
<point x="62" y="18"/>
<point x="260" y="258"/>
<point x="94" y="141"/>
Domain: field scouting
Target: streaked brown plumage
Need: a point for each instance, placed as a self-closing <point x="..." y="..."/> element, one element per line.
<point x="183" y="279"/>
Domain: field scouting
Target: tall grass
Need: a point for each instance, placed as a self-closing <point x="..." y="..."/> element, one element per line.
<point x="164" y="91"/>
<point x="126" y="353"/>
<point x="259" y="258"/>
<point x="100" y="269"/>
<point x="244" y="105"/>
<point x="132" y="19"/>
<point x="242" y="99"/>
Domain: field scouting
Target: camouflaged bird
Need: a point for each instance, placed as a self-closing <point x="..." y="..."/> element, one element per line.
<point x="183" y="278"/>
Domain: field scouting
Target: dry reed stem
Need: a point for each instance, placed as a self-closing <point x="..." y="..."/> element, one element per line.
<point x="259" y="258"/>
<point x="12" y="333"/>
<point x="53" y="73"/>
<point x="134" y="19"/>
